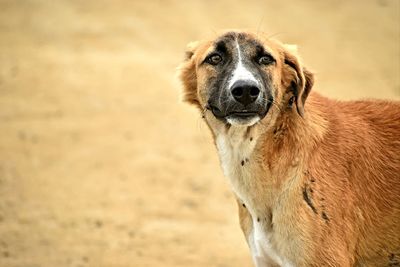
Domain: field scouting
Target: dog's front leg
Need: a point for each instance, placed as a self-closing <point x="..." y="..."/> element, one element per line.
<point x="246" y="223"/>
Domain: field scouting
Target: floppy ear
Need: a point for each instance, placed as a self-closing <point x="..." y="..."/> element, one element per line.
<point x="187" y="75"/>
<point x="297" y="78"/>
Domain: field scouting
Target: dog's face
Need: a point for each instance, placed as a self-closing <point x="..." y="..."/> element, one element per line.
<point x="241" y="78"/>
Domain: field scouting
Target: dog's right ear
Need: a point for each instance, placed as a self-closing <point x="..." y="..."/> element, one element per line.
<point x="187" y="75"/>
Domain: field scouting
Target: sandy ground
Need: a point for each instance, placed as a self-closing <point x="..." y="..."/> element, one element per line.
<point x="101" y="165"/>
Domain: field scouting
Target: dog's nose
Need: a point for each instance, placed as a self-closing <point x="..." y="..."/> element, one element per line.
<point x="245" y="92"/>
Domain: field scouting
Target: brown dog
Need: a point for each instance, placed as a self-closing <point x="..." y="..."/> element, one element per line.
<point x="317" y="180"/>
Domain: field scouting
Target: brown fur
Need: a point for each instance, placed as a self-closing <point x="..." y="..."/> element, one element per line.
<point x="327" y="182"/>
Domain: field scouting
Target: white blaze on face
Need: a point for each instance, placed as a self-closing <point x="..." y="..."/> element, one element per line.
<point x="241" y="72"/>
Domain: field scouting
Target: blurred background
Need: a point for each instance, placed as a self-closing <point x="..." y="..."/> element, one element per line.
<point x="102" y="165"/>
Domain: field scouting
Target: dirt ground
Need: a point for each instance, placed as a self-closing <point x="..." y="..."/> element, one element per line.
<point x="101" y="165"/>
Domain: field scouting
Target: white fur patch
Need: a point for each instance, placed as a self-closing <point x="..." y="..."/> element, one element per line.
<point x="235" y="152"/>
<point x="261" y="248"/>
<point x="240" y="72"/>
<point x="233" y="148"/>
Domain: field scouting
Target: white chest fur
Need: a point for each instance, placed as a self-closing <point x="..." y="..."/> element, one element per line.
<point x="236" y="148"/>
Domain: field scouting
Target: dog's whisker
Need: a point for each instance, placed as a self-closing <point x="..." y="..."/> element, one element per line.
<point x="259" y="25"/>
<point x="274" y="35"/>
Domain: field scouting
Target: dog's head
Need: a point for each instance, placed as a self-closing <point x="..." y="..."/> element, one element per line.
<point x="241" y="78"/>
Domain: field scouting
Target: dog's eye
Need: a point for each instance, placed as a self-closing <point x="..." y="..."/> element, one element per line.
<point x="214" y="59"/>
<point x="265" y="60"/>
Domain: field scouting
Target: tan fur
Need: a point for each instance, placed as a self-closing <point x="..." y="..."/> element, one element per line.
<point x="342" y="157"/>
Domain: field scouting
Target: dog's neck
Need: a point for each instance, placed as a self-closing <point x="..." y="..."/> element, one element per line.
<point x="236" y="146"/>
<point x="255" y="158"/>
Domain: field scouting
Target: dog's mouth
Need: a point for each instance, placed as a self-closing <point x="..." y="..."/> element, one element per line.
<point x="243" y="114"/>
<point x="238" y="117"/>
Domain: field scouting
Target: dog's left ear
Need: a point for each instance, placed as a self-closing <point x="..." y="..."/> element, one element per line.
<point x="296" y="77"/>
<point x="187" y="75"/>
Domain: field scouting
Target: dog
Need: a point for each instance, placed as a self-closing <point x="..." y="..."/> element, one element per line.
<point x="317" y="181"/>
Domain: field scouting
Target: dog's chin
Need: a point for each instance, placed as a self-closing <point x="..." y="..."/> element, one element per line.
<point x="242" y="121"/>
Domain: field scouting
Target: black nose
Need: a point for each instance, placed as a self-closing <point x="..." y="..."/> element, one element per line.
<point x="245" y="92"/>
